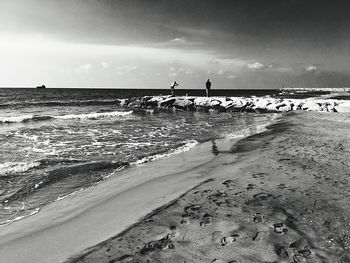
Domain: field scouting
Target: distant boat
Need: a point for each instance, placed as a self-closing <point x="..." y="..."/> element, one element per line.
<point x="41" y="87"/>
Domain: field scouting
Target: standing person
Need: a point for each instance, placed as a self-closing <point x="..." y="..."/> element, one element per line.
<point x="207" y="87"/>
<point x="173" y="88"/>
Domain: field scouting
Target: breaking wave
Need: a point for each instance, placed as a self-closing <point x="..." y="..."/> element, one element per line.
<point x="10" y="168"/>
<point x="184" y="148"/>
<point x="95" y="115"/>
<point x="92" y="115"/>
<point x="54" y="103"/>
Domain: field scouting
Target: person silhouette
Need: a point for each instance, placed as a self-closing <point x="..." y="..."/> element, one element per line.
<point x="172" y="87"/>
<point x="207" y="87"/>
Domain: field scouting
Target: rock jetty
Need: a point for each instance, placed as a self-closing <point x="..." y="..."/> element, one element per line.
<point x="237" y="104"/>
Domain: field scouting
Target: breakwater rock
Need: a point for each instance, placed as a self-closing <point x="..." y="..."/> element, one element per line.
<point x="237" y="104"/>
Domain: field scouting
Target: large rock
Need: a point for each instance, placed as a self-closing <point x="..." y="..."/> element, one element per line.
<point x="183" y="104"/>
<point x="311" y="106"/>
<point x="261" y="104"/>
<point x="202" y="101"/>
<point x="135" y="104"/>
<point x="285" y="107"/>
<point x="214" y="103"/>
<point x="167" y="102"/>
<point x="272" y="107"/>
<point x="344" y="106"/>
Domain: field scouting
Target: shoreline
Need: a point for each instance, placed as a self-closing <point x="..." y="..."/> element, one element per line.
<point x="267" y="204"/>
<point x="66" y="223"/>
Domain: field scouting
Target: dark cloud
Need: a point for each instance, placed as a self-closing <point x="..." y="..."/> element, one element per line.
<point x="283" y="41"/>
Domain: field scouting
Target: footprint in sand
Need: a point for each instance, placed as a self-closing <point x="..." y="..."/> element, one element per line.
<point x="229" y="183"/>
<point x="281" y="186"/>
<point x="229" y="239"/>
<point x="258" y="218"/>
<point x="251" y="187"/>
<point x="174" y="232"/>
<point x="282" y="252"/>
<point x="259" y="175"/>
<point x="193" y="211"/>
<point x="216" y="236"/>
<point x="207" y="220"/>
<point x="259" y="236"/>
<point x="161" y="244"/>
<point x="299" y="244"/>
<point x="185" y="221"/>
<point x="122" y="259"/>
<point x="279" y="228"/>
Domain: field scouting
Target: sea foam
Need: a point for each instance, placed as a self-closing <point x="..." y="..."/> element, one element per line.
<point x="16" y="119"/>
<point x="92" y="115"/>
<point x="95" y="115"/>
<point x="9" y="168"/>
<point x="184" y="148"/>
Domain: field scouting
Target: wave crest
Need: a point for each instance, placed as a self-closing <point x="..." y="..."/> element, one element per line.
<point x="92" y="116"/>
<point x="95" y="115"/>
<point x="10" y="168"/>
<point x="184" y="148"/>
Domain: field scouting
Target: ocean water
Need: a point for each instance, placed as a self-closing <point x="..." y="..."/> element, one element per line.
<point x="54" y="142"/>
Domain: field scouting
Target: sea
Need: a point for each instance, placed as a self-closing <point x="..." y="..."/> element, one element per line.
<point x="55" y="142"/>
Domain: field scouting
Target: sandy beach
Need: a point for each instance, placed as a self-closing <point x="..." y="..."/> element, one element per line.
<point x="279" y="196"/>
<point x="67" y="227"/>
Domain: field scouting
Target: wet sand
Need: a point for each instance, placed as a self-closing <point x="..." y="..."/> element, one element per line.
<point x="67" y="227"/>
<point x="279" y="196"/>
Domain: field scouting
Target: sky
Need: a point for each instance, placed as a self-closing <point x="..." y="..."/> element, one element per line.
<point x="151" y="43"/>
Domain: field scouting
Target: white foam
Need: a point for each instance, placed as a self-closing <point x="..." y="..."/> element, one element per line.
<point x="16" y="167"/>
<point x="7" y="222"/>
<point x="16" y="119"/>
<point x="189" y="145"/>
<point x="95" y="115"/>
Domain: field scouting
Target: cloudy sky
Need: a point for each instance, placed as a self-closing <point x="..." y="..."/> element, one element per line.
<point x="150" y="43"/>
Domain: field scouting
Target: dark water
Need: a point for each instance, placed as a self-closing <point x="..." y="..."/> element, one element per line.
<point x="54" y="142"/>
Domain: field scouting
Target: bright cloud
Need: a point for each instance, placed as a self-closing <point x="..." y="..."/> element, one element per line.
<point x="311" y="68"/>
<point x="255" y="66"/>
<point x="105" y="65"/>
<point x="179" y="40"/>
